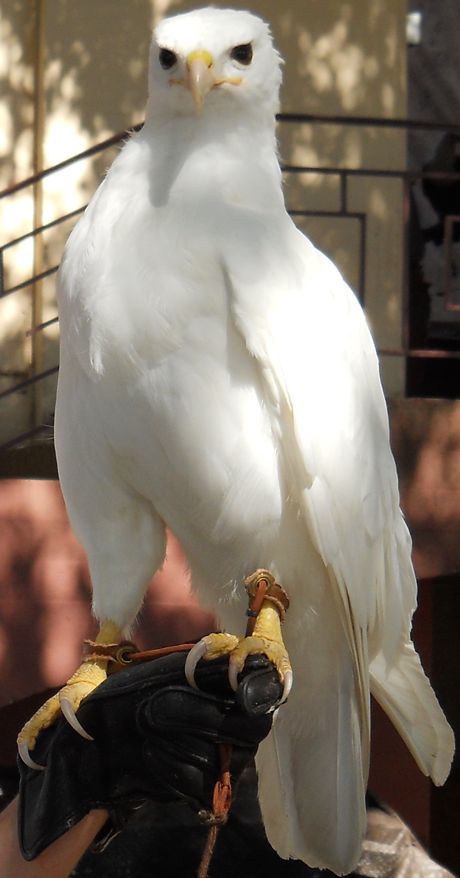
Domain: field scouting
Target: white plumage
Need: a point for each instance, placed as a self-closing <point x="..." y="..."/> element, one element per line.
<point x="218" y="377"/>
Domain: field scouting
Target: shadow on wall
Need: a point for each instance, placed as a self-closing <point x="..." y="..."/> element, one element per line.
<point x="45" y="594"/>
<point x="341" y="58"/>
<point x="94" y="84"/>
<point x="92" y="51"/>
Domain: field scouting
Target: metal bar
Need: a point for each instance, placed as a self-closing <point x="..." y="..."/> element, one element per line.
<point x="42" y="326"/>
<point x="50" y="225"/>
<point x="13" y="373"/>
<point x="331" y="213"/>
<point x="22" y="386"/>
<point x="27" y="283"/>
<point x="362" y="258"/>
<point x="420" y="353"/>
<point x="404" y="174"/>
<point x="86" y="153"/>
<point x="42" y="428"/>
<point x="405" y="323"/>
<point x="343" y="192"/>
<point x="369" y="121"/>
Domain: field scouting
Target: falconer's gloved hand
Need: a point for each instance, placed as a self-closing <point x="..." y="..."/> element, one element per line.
<point x="154" y="738"/>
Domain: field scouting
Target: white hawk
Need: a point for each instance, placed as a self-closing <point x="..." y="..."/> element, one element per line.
<point x="218" y="378"/>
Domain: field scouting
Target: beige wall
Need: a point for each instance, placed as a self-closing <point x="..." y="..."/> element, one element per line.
<point x="342" y="58"/>
<point x="16" y="214"/>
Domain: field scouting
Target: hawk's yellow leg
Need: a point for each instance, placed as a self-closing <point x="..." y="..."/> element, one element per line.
<point x="266" y="638"/>
<point x="89" y="675"/>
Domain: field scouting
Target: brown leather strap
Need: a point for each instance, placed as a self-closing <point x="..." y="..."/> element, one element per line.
<point x="222" y="796"/>
<point x="221" y="804"/>
<point x="148" y="654"/>
<point x="109" y="652"/>
<point x="261" y="586"/>
<point x="119" y="655"/>
<point x="256" y="593"/>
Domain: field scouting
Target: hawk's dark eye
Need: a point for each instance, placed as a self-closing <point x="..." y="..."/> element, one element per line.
<point x="167" y="59"/>
<point x="242" y="54"/>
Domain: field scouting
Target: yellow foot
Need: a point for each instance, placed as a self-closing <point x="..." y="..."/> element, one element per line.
<point x="266" y="638"/>
<point x="210" y="647"/>
<point x="275" y="651"/>
<point x="67" y="701"/>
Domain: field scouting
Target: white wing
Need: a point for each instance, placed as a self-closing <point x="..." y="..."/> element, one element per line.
<point x="321" y="381"/>
<point x="320" y="370"/>
<point x="309" y="334"/>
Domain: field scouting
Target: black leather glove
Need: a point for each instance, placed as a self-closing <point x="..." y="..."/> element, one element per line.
<point x="154" y="738"/>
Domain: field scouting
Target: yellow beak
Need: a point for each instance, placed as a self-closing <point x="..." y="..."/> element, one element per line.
<point x="200" y="78"/>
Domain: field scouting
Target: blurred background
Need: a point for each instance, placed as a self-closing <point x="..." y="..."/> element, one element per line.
<point x="369" y="140"/>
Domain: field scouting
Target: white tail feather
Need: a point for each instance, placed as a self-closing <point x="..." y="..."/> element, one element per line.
<point x="311" y="777"/>
<point x="405" y="694"/>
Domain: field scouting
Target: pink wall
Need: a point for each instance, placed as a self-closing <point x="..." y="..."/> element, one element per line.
<point x="45" y="594"/>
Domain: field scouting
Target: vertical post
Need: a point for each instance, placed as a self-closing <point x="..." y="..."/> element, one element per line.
<point x="362" y="257"/>
<point x="37" y="287"/>
<point x="406" y="322"/>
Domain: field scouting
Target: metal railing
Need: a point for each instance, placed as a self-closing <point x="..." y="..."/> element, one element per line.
<point x="344" y="175"/>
